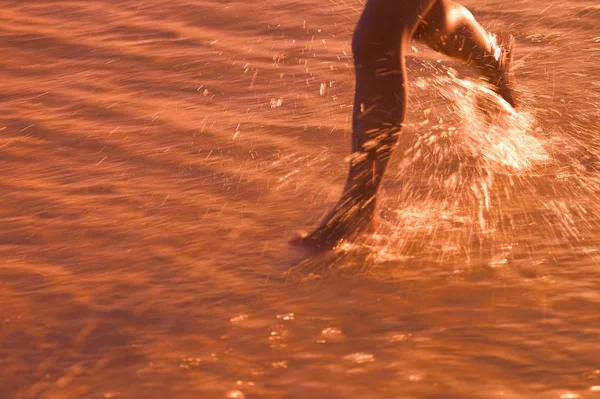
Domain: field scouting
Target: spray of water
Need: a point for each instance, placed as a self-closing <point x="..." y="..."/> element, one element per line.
<point x="469" y="172"/>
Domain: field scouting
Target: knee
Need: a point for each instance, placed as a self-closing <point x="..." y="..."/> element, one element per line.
<point x="456" y="17"/>
<point x="444" y="18"/>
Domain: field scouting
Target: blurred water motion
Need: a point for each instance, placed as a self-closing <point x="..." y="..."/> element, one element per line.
<point x="156" y="155"/>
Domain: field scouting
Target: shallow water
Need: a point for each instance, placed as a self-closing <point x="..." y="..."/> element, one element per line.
<point x="157" y="155"/>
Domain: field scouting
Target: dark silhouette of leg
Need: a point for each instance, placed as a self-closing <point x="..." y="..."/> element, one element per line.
<point x="379" y="45"/>
<point x="379" y="42"/>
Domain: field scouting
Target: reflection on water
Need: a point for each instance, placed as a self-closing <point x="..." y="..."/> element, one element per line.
<point x="156" y="156"/>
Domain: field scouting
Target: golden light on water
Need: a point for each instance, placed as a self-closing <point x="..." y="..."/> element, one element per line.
<point x="157" y="155"/>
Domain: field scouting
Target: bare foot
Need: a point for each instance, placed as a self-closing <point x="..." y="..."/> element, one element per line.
<point x="342" y="224"/>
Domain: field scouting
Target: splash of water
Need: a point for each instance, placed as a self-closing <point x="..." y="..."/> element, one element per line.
<point x="458" y="171"/>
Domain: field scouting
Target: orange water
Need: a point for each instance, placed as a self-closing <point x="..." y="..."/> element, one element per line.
<point x="156" y="156"/>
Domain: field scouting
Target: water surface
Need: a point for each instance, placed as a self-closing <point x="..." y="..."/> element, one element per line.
<point x="156" y="156"/>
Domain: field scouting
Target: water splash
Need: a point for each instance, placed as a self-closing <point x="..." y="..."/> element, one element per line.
<point x="458" y="170"/>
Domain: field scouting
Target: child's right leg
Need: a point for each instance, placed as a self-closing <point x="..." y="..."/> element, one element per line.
<point x="451" y="29"/>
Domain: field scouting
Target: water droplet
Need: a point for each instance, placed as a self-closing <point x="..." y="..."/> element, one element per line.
<point x="280" y="365"/>
<point x="235" y="394"/>
<point x="323" y="89"/>
<point x="360" y="358"/>
<point x="331" y="331"/>
<point x="399" y="337"/>
<point x="286" y="316"/>
<point x="276" y="102"/>
<point x="239" y="318"/>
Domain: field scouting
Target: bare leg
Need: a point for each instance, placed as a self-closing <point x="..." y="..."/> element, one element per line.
<point x="379" y="43"/>
<point x="452" y="30"/>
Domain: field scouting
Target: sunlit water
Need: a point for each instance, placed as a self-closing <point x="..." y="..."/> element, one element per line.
<point x="157" y="155"/>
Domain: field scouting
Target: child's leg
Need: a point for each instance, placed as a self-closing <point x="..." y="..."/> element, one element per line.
<point x="451" y="29"/>
<point x="379" y="44"/>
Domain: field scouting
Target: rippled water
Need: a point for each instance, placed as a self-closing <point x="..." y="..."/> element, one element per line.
<point x="157" y="155"/>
